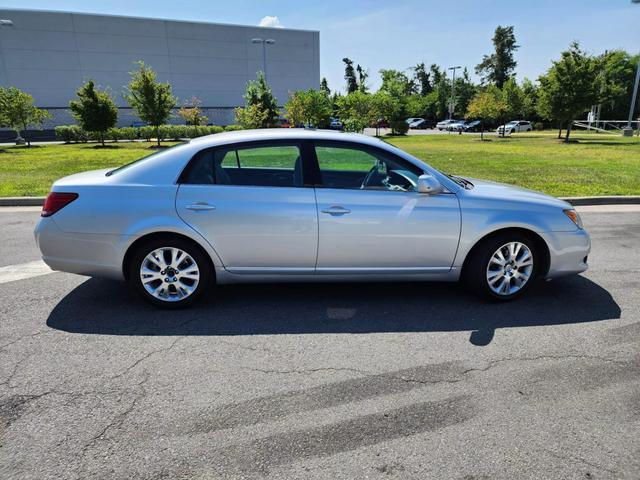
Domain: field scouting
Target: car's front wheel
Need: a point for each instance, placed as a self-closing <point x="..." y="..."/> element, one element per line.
<point x="169" y="272"/>
<point x="503" y="267"/>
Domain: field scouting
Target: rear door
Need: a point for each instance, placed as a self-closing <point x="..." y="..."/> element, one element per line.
<point x="249" y="201"/>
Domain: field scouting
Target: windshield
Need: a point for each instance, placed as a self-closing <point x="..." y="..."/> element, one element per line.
<point x="512" y="123"/>
<point x="151" y="156"/>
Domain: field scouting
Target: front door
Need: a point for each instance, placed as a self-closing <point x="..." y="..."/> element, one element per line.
<point x="249" y="202"/>
<point x="371" y="218"/>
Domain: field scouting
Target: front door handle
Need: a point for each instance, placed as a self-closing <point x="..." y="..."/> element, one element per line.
<point x="200" y="207"/>
<point x="336" y="210"/>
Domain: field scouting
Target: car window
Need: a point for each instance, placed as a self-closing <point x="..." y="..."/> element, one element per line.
<point x="248" y="165"/>
<point x="354" y="167"/>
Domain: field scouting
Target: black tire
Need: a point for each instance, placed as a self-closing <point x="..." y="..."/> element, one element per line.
<point x="475" y="269"/>
<point x="200" y="257"/>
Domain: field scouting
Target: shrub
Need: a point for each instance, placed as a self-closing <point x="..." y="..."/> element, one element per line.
<point x="354" y="125"/>
<point x="232" y="128"/>
<point x="128" y="133"/>
<point x="147" y="132"/>
<point x="114" y="134"/>
<point x="538" y="126"/>
<point x="64" y="133"/>
<point x="399" y="127"/>
<point x="215" y="129"/>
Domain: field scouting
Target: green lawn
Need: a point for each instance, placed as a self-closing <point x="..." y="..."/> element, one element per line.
<point x="594" y="165"/>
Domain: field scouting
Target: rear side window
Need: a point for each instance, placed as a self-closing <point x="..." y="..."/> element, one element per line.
<point x="262" y="165"/>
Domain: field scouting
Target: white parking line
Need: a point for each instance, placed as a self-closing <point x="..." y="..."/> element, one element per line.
<point x="12" y="273"/>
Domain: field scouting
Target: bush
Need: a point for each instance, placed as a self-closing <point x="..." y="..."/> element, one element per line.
<point x="64" y="133"/>
<point x="129" y="133"/>
<point x="232" y="128"/>
<point x="399" y="127"/>
<point x="538" y="126"/>
<point x="354" y="125"/>
<point x="147" y="133"/>
<point x="215" y="129"/>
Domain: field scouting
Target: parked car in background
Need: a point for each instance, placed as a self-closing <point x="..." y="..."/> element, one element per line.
<point x="336" y="124"/>
<point x="473" y="126"/>
<point x="456" y="126"/>
<point x="422" y="124"/>
<point x="302" y="205"/>
<point x="283" y="122"/>
<point x="410" y="120"/>
<point x="445" y="123"/>
<point x="515" y="126"/>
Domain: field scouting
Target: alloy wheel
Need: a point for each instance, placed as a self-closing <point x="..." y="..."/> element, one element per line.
<point x="169" y="274"/>
<point x="510" y="268"/>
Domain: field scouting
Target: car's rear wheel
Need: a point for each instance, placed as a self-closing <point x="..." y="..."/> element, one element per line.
<point x="503" y="267"/>
<point x="170" y="272"/>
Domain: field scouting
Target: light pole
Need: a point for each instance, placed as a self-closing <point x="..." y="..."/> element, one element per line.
<point x="453" y="92"/>
<point x="264" y="42"/>
<point x="628" y="131"/>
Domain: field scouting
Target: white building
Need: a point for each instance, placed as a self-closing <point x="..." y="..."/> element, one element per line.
<point x="50" y="54"/>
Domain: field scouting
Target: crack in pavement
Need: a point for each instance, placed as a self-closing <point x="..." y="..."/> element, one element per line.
<point x="147" y="356"/>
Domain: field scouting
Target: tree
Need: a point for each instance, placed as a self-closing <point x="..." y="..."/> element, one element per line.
<point x="191" y="112"/>
<point x="513" y="98"/>
<point x="529" y="99"/>
<point x="396" y="83"/>
<point x="362" y="79"/>
<point x="487" y="105"/>
<point x="324" y="87"/>
<point x="261" y="108"/>
<point x="94" y="110"/>
<point x="151" y="100"/>
<point x="617" y="74"/>
<point x="498" y="67"/>
<point x="569" y="88"/>
<point x="422" y="79"/>
<point x="309" y="107"/>
<point x="384" y="107"/>
<point x="350" y="75"/>
<point x="18" y="112"/>
<point x="356" y="110"/>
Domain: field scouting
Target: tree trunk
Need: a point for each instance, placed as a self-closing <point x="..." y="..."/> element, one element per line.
<point x="566" y="138"/>
<point x="481" y="130"/>
<point x="158" y="135"/>
<point x="102" y="138"/>
<point x="559" y="130"/>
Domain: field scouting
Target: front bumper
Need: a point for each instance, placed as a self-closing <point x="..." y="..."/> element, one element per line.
<point x="80" y="253"/>
<point x="568" y="252"/>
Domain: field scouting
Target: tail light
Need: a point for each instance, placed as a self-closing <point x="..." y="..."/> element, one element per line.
<point x="56" y="201"/>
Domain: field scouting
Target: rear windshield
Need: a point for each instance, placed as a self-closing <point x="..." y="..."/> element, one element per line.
<point x="149" y="157"/>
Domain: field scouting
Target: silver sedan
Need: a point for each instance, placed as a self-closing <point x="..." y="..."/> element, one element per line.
<point x="298" y="206"/>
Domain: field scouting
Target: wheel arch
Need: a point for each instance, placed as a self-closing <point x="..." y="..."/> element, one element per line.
<point x="162" y="234"/>
<point x="539" y="242"/>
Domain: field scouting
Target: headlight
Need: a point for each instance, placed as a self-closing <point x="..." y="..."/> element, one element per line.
<point x="575" y="218"/>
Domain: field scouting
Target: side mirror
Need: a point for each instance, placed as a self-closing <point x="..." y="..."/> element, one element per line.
<point x="429" y="185"/>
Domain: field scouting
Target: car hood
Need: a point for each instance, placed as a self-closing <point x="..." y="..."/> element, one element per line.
<point x="501" y="191"/>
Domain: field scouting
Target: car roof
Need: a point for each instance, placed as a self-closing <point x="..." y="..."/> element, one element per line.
<point x="266" y="134"/>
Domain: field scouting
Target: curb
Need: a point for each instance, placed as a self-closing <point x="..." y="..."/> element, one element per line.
<point x="575" y="201"/>
<point x="617" y="200"/>
<point x="22" y="201"/>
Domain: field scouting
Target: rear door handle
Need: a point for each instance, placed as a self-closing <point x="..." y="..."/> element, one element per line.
<point x="200" y="207"/>
<point x="336" y="210"/>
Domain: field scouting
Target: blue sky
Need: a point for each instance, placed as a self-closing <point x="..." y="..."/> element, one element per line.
<point x="401" y="33"/>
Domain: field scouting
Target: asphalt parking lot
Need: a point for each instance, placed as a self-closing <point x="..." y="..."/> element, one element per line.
<point x="323" y="381"/>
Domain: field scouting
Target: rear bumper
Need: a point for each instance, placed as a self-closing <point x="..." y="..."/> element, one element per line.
<point x="568" y="252"/>
<point x="80" y="253"/>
